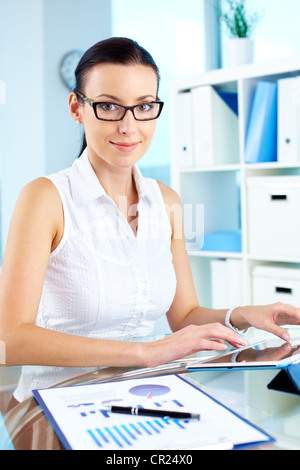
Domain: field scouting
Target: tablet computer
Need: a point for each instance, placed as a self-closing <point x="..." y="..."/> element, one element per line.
<point x="269" y="354"/>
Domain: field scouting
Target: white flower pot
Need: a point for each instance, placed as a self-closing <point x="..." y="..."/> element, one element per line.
<point x="240" y="51"/>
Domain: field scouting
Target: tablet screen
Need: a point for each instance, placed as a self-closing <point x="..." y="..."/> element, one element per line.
<point x="266" y="354"/>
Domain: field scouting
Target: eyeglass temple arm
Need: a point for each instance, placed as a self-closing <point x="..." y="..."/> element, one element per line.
<point x="90" y="102"/>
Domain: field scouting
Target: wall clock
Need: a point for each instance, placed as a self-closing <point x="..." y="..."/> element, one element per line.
<point x="68" y="65"/>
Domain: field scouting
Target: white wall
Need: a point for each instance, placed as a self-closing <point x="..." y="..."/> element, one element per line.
<point x="22" y="133"/>
<point x="37" y="135"/>
<point x="68" y="25"/>
<point x="277" y="33"/>
<point x="173" y="32"/>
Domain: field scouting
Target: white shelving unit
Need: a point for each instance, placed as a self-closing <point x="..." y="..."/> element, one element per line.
<point x="222" y="188"/>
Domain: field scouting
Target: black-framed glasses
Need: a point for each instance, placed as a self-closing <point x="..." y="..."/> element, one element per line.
<point x="107" y="111"/>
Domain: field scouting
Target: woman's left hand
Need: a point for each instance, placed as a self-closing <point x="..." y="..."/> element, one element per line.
<point x="270" y="318"/>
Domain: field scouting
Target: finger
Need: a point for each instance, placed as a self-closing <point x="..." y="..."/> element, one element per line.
<point x="210" y="344"/>
<point x="288" y="314"/>
<point x="238" y="343"/>
<point x="219" y="331"/>
<point x="233" y="341"/>
<point x="286" y="347"/>
<point x="277" y="331"/>
<point x="218" y="340"/>
<point x="276" y="354"/>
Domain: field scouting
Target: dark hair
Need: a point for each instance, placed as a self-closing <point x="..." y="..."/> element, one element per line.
<point x="116" y="50"/>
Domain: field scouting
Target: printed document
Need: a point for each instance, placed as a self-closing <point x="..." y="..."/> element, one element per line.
<point x="81" y="419"/>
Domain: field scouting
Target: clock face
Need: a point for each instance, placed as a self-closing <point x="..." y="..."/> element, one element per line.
<point x="68" y="66"/>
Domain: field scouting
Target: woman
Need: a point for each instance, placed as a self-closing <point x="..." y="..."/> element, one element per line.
<point x="91" y="256"/>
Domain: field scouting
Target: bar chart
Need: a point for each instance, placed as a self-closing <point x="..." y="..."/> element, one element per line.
<point x="83" y="420"/>
<point x="124" y="436"/>
<point x="107" y="431"/>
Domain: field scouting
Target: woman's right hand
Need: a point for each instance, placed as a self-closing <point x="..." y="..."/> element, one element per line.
<point x="189" y="340"/>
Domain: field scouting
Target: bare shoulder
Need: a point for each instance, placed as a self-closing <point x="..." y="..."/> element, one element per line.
<point x="40" y="186"/>
<point x="174" y="209"/>
<point x="170" y="196"/>
<point x="38" y="207"/>
<point x="39" y="193"/>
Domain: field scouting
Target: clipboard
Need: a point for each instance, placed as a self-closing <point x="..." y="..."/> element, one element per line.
<point x="80" y="423"/>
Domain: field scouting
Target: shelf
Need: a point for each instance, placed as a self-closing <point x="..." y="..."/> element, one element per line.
<point x="239" y="255"/>
<point x="273" y="259"/>
<point x="222" y="189"/>
<point x="240" y="166"/>
<point x="206" y="169"/>
<point x="270" y="166"/>
<point x="281" y="67"/>
<point x="215" y="254"/>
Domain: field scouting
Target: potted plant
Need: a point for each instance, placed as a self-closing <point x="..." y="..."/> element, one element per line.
<point x="240" y="25"/>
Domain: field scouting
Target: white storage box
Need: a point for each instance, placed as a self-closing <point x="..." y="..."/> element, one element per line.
<point x="274" y="216"/>
<point x="275" y="284"/>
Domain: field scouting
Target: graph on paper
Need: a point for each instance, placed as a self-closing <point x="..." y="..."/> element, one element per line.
<point x="135" y="429"/>
<point x="125" y="436"/>
<point x="81" y="418"/>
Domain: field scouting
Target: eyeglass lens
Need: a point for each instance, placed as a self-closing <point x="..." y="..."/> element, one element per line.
<point x="114" y="112"/>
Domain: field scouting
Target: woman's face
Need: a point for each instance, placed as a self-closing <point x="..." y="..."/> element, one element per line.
<point x="119" y="143"/>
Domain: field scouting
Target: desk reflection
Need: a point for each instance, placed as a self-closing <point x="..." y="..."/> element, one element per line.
<point x="26" y="424"/>
<point x="244" y="392"/>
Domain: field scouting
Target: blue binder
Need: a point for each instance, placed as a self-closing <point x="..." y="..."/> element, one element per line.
<point x="261" y="138"/>
<point x="231" y="99"/>
<point x="230" y="241"/>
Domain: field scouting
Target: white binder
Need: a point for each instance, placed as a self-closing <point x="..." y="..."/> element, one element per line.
<point x="185" y="154"/>
<point x="226" y="282"/>
<point x="215" y="128"/>
<point x="288" y="119"/>
<point x="235" y="284"/>
<point x="219" y="284"/>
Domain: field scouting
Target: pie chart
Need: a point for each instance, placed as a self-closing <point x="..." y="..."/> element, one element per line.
<point x="152" y="389"/>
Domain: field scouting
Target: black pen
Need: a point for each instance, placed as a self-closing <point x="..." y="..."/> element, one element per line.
<point x="128" y="410"/>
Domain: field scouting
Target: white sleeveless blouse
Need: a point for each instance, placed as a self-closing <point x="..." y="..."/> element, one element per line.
<point x="102" y="281"/>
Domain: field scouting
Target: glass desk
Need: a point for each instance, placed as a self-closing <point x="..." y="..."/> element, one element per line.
<point x="245" y="392"/>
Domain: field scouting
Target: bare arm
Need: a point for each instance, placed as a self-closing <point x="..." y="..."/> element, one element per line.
<point x="185" y="309"/>
<point x="35" y="230"/>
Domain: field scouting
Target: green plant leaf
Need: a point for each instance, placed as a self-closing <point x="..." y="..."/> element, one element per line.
<point x="239" y="22"/>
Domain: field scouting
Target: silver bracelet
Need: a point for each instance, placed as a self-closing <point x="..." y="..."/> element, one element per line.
<point x="227" y="321"/>
<point x="234" y="356"/>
